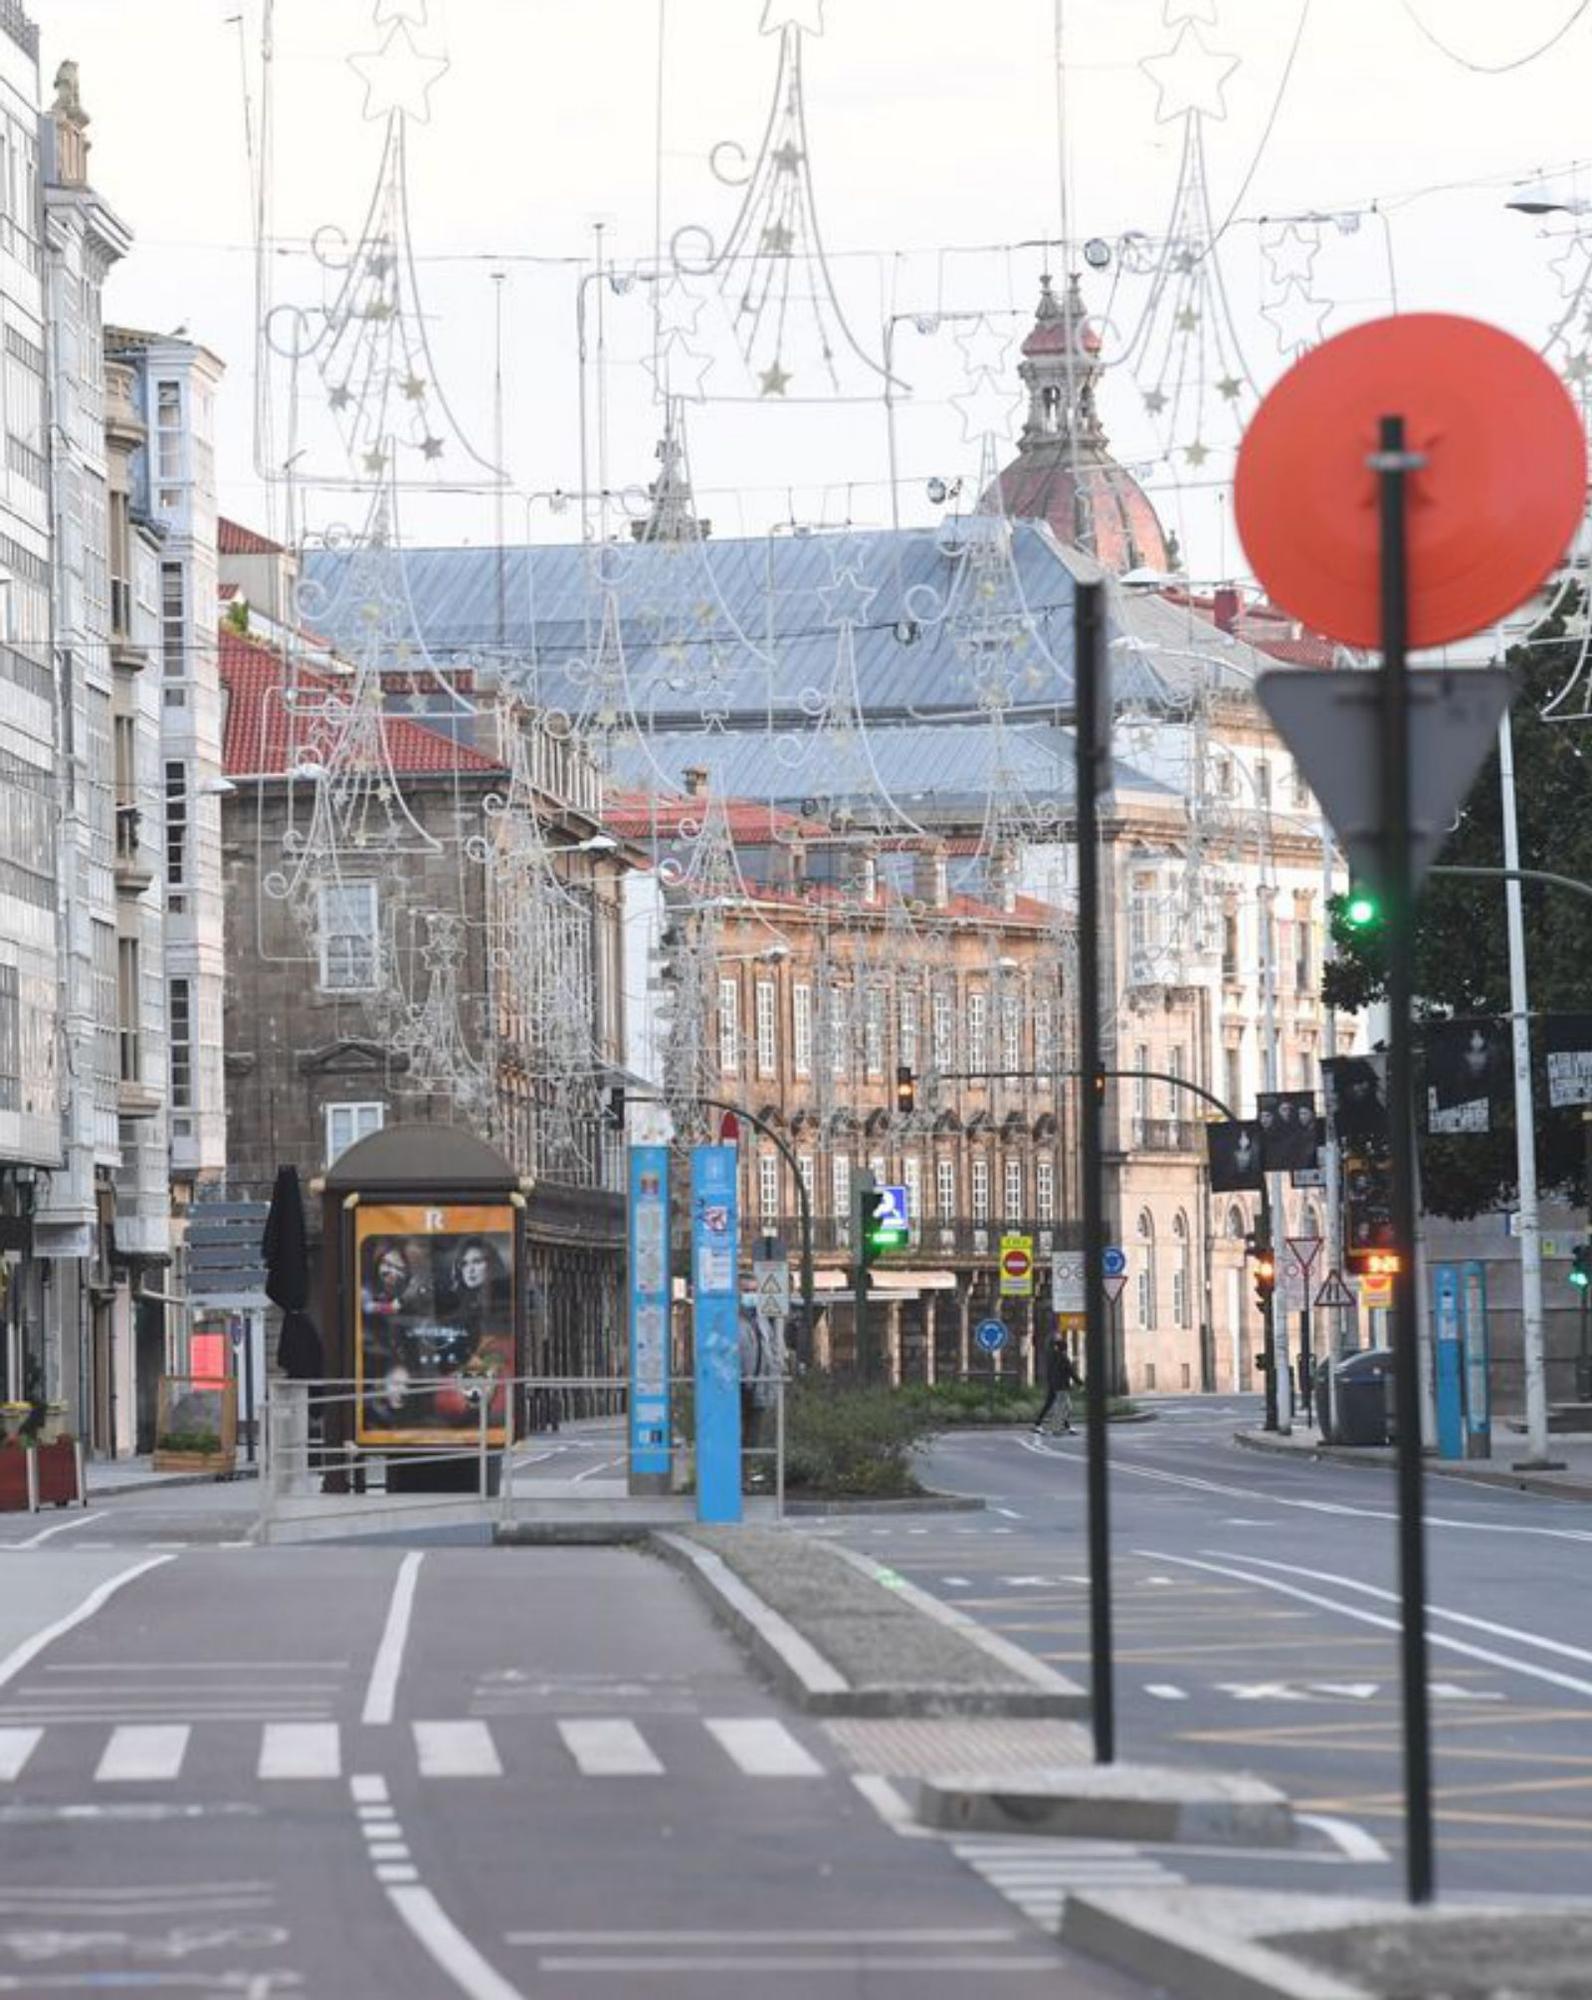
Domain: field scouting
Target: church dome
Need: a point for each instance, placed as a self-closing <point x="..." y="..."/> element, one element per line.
<point x="1063" y="474"/>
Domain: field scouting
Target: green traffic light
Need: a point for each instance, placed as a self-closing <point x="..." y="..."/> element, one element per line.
<point x="1361" y="910"/>
<point x="1581" y="1277"/>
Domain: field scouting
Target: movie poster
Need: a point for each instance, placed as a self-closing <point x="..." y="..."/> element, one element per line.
<point x="434" y="1322"/>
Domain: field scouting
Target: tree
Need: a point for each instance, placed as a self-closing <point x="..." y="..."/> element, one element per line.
<point x="1461" y="943"/>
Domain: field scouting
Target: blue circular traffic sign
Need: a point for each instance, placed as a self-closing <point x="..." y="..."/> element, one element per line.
<point x="990" y="1335"/>
<point x="1114" y="1262"/>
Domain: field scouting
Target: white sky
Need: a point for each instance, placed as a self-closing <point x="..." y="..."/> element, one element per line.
<point x="931" y="127"/>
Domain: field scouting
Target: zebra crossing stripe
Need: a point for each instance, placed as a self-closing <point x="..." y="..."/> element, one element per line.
<point x="609" y="1748"/>
<point x="762" y="1747"/>
<point x="16" y="1747"/>
<point x="300" y="1750"/>
<point x="456" y="1750"/>
<point x="149" y="1753"/>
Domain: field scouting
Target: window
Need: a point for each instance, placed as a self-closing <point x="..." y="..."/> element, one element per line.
<point x="347" y="1124"/>
<point x="768" y="1187"/>
<point x="767" y="1050"/>
<point x="10" y="1040"/>
<point x="912" y="1181"/>
<point x="805" y="1162"/>
<point x="1144" y="916"/>
<point x="1045" y="1189"/>
<point x="173" y="622"/>
<point x="1176" y="1100"/>
<point x="879" y="1167"/>
<point x="1141" y="1090"/>
<point x="1147" y="1275"/>
<point x="1304" y="945"/>
<point x="980" y="1188"/>
<point x="873" y="1031"/>
<point x="1263" y="780"/>
<point x="1044" y="1041"/>
<point x="909" y="1030"/>
<point x="1298" y="789"/>
<point x="729" y="1026"/>
<point x="1014" y="1189"/>
<point x="839" y="1037"/>
<point x="129" y="1010"/>
<point x="176" y="825"/>
<point x="1182" y="1272"/>
<point x="943" y="1030"/>
<point x="1233" y="1082"/>
<point x="945" y="1187"/>
<point x="350" y="947"/>
<point x="1011" y="1034"/>
<point x="1224" y="777"/>
<point x="840" y="1193"/>
<point x="977" y="1029"/>
<point x="801" y="1001"/>
<point x="168" y="438"/>
<point x="179" y="1029"/>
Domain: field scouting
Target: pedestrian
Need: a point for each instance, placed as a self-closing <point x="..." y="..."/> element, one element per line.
<point x="1061" y="1378"/>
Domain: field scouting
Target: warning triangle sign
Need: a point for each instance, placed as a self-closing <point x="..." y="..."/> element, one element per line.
<point x="1334" y="1292"/>
<point x="1333" y="725"/>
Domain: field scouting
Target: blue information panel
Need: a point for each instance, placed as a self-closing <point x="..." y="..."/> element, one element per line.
<point x="649" y="1310"/>
<point x="716" y="1320"/>
<point x="1473" y="1327"/>
<point x="1449" y="1348"/>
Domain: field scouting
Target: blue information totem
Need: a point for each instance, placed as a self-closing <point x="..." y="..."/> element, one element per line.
<point x="715" y="1286"/>
<point x="1449" y="1361"/>
<point x="1478" y="1358"/>
<point x="649" y="1318"/>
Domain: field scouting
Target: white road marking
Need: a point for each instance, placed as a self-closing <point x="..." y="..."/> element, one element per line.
<point x="16" y="1747"/>
<point x="1164" y="1691"/>
<point x="888" y="1803"/>
<point x="635" y="1940"/>
<point x="609" y="1748"/>
<point x="958" y="1582"/>
<point x="300" y="1750"/>
<point x="387" y="1850"/>
<point x="143" y="1753"/>
<point x="1447" y="1691"/>
<point x="382" y="1694"/>
<point x="367" y="1789"/>
<point x="456" y="1750"/>
<point x="1011" y="1513"/>
<point x="1346" y="1834"/>
<point x="591" y="1471"/>
<point x="762" y="1747"/>
<point x="1482" y="1653"/>
<point x="67" y="1527"/>
<point x="742" y="1963"/>
<point x="447" y="1945"/>
<point x="30" y="1649"/>
<point x="396" y="1871"/>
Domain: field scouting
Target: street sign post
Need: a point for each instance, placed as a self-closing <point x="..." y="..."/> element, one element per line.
<point x="1017" y="1267"/>
<point x="991" y="1337"/>
<point x="1333" y="1294"/>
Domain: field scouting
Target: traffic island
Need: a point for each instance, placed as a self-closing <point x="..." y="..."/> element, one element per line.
<point x="1223" y="1944"/>
<point x="840" y="1635"/>
<point x="1138" y="1802"/>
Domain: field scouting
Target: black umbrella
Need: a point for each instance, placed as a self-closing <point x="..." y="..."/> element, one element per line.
<point x="286" y="1249"/>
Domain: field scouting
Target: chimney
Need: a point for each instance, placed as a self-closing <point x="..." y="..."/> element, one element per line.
<point x="928" y="876"/>
<point x="1226" y="607"/>
<point x="696" y="781"/>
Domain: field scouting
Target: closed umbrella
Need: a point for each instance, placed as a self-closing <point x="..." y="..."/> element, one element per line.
<point x="285" y="1247"/>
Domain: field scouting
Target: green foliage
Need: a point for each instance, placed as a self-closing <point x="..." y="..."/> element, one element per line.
<point x="852" y="1441"/>
<point x="947" y="1405"/>
<point x="204" y="1442"/>
<point x="1461" y="943"/>
<point x="238" y="615"/>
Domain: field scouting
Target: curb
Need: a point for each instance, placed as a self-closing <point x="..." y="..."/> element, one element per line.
<point x="918" y="1503"/>
<point x="159" y="1481"/>
<point x="1439" y="1468"/>
<point x="1142" y="1803"/>
<point x="1058" y="1695"/>
<point x="1137" y="1931"/>
<point x="796" y="1667"/>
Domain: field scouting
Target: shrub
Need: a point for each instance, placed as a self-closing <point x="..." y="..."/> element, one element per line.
<point x="852" y="1441"/>
<point x="205" y="1442"/>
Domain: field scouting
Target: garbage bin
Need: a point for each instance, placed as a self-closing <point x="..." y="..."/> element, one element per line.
<point x="1363" y="1387"/>
<point x="1321" y="1396"/>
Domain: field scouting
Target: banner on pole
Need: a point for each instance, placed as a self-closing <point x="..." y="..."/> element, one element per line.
<point x="649" y="1311"/>
<point x="715" y="1319"/>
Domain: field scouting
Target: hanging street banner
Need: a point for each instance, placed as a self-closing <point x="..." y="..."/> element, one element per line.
<point x="1017" y="1267"/>
<point x="649" y="1312"/>
<point x="715" y="1304"/>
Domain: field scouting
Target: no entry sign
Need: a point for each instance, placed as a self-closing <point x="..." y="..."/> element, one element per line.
<point x="1017" y="1267"/>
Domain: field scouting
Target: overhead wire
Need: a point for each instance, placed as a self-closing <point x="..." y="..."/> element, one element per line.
<point x="1495" y="69"/>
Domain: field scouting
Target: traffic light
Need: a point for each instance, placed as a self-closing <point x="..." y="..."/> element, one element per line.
<point x="906" y="1089"/>
<point x="1257" y="1248"/>
<point x="1361" y="909"/>
<point x="1581" y="1267"/>
<point x="878" y="1222"/>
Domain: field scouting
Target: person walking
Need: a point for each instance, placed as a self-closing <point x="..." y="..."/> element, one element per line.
<point x="1061" y="1378"/>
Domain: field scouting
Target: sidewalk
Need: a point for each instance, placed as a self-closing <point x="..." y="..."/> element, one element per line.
<point x="1572" y="1482"/>
<point x="112" y="1478"/>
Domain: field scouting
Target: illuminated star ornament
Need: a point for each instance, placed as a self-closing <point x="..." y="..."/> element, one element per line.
<point x="1190" y="77"/>
<point x="846" y="600"/>
<point x="398" y="76"/>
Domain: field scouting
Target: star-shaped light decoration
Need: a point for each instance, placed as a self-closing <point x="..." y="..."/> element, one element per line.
<point x="984" y="347"/>
<point x="1155" y="401"/>
<point x="379" y="309"/>
<point x="1186" y="261"/>
<point x="1189" y="77"/>
<point x="986" y="408"/>
<point x="846" y="600"/>
<point x="774" y="380"/>
<point x="676" y="310"/>
<point x="341" y="396"/>
<point x="398" y="76"/>
<point x="1570" y="266"/>
<point x="1578" y="369"/>
<point x="787" y="157"/>
<point x="432" y="447"/>
<point x="1187" y="320"/>
<point x="807" y="16"/>
<point x="777" y="240"/>
<point x="1196" y="454"/>
<point x="1229" y="388"/>
<point x="414" y="387"/>
<point x="1298" y="319"/>
<point x="375" y="459"/>
<point x="1292" y="254"/>
<point x="680" y="371"/>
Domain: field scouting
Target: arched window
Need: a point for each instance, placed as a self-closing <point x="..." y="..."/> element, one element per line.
<point x="1310" y="1221"/>
<point x="1147" y="1278"/>
<point x="1236" y="1225"/>
<point x="1182" y="1272"/>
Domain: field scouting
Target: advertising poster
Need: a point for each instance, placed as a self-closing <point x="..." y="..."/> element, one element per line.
<point x="715" y="1236"/>
<point x="434" y="1320"/>
<point x="649" y="1309"/>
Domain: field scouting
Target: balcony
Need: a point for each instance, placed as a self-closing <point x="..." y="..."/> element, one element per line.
<point x="1164" y="1135"/>
<point x="137" y="1100"/>
<point x="135" y="868"/>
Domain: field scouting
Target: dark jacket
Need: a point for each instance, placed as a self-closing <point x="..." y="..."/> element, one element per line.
<point x="1059" y="1371"/>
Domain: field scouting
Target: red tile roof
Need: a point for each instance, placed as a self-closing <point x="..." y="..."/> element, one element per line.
<point x="264" y="739"/>
<point x="233" y="539"/>
<point x="1264" y="626"/>
<point x="639" y="816"/>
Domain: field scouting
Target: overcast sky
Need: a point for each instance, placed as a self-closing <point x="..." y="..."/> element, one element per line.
<point x="933" y="156"/>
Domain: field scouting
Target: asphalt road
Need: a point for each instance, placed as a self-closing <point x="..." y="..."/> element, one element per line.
<point x="516" y="1774"/>
<point x="1256" y="1628"/>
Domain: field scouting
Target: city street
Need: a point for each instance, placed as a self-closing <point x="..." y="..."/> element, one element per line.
<point x="1256" y="1629"/>
<point x="437" y="1770"/>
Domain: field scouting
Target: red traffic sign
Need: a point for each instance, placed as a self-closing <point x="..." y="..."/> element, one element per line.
<point x="1016" y="1263"/>
<point x="1304" y="1250"/>
<point x="1493" y="503"/>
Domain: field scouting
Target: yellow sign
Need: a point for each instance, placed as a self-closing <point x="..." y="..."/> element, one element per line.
<point x="1071" y="1322"/>
<point x="1017" y="1267"/>
<point x="1376" y="1290"/>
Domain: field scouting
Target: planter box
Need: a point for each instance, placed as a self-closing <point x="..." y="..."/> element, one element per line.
<point x="16" y="1480"/>
<point x="58" y="1476"/>
<point x="218" y="1464"/>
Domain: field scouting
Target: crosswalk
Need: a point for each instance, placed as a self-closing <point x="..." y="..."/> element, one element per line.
<point x="126" y="1753"/>
<point x="1037" y="1876"/>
